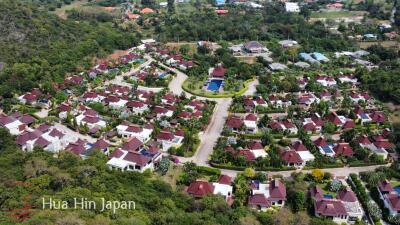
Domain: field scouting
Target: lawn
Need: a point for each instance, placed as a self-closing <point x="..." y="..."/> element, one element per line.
<point x="195" y="88"/>
<point x="324" y="187"/>
<point x="172" y="175"/>
<point x="336" y="14"/>
<point x="78" y="4"/>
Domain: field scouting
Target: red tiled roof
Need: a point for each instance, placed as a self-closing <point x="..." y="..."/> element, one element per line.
<point x="135" y="104"/>
<point x="63" y="107"/>
<point x="334" y="118"/>
<point x="255" y="145"/>
<point x="309" y="127"/>
<point x="165" y="135"/>
<point x="4" y="120"/>
<point x="91" y="119"/>
<point x="90" y="95"/>
<point x="259" y="200"/>
<point x="277" y="190"/>
<point x="347" y="195"/>
<point x="385" y="186"/>
<point x="317" y="193"/>
<point x="349" y="124"/>
<point x="28" y="136"/>
<point x="363" y="139"/>
<point x="199" y="189"/>
<point x="394" y="200"/>
<point x="298" y="146"/>
<point x="291" y="156"/>
<point x="132" y="145"/>
<point x="378" y="116"/>
<point x="218" y="71"/>
<point x="225" y="179"/>
<point x="234" y="122"/>
<point x="76" y="148"/>
<point x="251" y="117"/>
<point x="134" y="129"/>
<point x="56" y="133"/>
<point x="101" y="144"/>
<point x="248" y="102"/>
<point x="320" y="142"/>
<point x="116" y="154"/>
<point x="343" y="149"/>
<point x="137" y="158"/>
<point x="248" y="155"/>
<point x="41" y="142"/>
<point x="330" y="207"/>
<point x="252" y="45"/>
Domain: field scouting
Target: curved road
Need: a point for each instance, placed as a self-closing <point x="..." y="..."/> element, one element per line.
<point x="210" y="136"/>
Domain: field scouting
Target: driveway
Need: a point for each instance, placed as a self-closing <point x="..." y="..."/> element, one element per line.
<point x="211" y="135"/>
<point x="73" y="135"/>
<point x="119" y="80"/>
<point x="252" y="88"/>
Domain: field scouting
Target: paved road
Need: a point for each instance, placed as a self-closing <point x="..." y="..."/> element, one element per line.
<point x="210" y="136"/>
<point x="252" y="88"/>
<point x="43" y="113"/>
<point x="73" y="135"/>
<point x="338" y="172"/>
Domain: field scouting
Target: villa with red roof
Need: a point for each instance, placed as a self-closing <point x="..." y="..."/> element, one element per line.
<point x="217" y="72"/>
<point x="223" y="187"/>
<point x="344" y="209"/>
<point x="169" y="139"/>
<point x="140" y="161"/>
<point x="378" y="146"/>
<point x="390" y="197"/>
<point x="128" y="130"/>
<point x="331" y="208"/>
<point x="250" y="122"/>
<point x="234" y="124"/>
<point x="265" y="195"/>
<point x="137" y="107"/>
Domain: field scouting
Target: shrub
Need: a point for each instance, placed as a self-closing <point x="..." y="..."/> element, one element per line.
<point x="335" y="185"/>
<point x="374" y="210"/>
<point x="208" y="170"/>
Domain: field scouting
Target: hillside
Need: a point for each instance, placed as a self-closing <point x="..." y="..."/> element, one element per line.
<point x="38" y="46"/>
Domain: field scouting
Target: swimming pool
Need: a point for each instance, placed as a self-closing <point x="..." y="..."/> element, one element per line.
<point x="214" y="85"/>
<point x="163" y="75"/>
<point x="328" y="196"/>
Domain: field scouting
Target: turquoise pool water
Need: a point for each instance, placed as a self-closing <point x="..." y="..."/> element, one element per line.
<point x="214" y="85"/>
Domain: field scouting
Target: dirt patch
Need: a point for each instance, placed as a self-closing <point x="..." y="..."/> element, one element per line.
<point x="61" y="12"/>
<point x="176" y="45"/>
<point x="247" y="59"/>
<point x="112" y="57"/>
<point x="386" y="44"/>
<point x="172" y="175"/>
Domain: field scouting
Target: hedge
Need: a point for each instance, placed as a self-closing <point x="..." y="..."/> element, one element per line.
<point x="208" y="170"/>
<point x="359" y="189"/>
<point x="325" y="166"/>
<point x="361" y="163"/>
<point x="241" y="168"/>
<point x="268" y="110"/>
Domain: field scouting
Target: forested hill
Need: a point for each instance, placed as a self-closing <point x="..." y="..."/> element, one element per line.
<point x="38" y="46"/>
